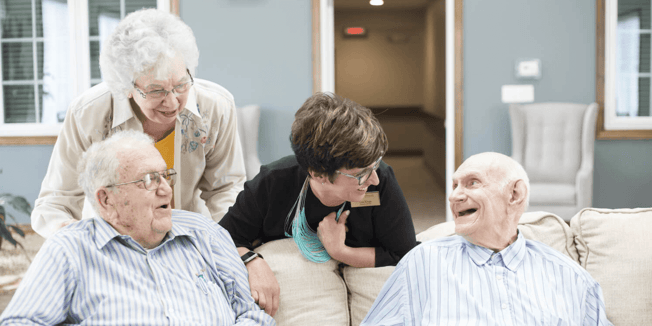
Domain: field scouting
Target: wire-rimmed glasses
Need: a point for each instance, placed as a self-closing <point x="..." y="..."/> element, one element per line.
<point x="152" y="180"/>
<point x="161" y="93"/>
<point x="364" y="175"/>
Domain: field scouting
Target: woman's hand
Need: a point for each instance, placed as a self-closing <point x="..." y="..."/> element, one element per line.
<point x="332" y="233"/>
<point x="264" y="286"/>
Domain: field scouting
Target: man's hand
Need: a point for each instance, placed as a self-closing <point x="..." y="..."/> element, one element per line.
<point x="264" y="286"/>
<point x="332" y="233"/>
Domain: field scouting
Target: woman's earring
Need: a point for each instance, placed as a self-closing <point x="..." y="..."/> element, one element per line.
<point x="322" y="183"/>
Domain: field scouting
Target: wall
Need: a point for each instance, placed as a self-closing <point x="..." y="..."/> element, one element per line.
<point x="434" y="92"/>
<point x="373" y="70"/>
<point x="261" y="51"/>
<point x="561" y="34"/>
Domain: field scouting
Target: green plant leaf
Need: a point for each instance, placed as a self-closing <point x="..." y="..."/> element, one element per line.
<point x="7" y="235"/>
<point x="18" y="230"/>
<point x="20" y="204"/>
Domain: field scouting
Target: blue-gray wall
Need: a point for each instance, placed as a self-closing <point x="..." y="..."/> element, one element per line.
<point x="561" y="34"/>
<point x="261" y="51"/>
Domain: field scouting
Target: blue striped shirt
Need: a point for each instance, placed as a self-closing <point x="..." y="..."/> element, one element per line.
<point x="450" y="281"/>
<point x="89" y="274"/>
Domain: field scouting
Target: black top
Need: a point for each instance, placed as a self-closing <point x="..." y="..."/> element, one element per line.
<point x="262" y="207"/>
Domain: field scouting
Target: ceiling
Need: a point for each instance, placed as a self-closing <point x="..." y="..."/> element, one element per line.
<point x="389" y="4"/>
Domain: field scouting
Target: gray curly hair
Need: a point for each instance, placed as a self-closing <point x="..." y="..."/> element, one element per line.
<point x="145" y="40"/>
<point x="99" y="164"/>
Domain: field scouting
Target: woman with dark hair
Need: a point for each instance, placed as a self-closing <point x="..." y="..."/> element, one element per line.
<point x="335" y="197"/>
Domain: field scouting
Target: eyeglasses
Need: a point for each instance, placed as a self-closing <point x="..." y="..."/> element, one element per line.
<point x="153" y="179"/>
<point x="364" y="175"/>
<point x="161" y="93"/>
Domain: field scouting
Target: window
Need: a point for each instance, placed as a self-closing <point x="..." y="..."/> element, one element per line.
<point x="50" y="54"/>
<point x="624" y="69"/>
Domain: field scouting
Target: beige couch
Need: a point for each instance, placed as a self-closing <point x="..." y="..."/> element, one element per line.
<point x="613" y="245"/>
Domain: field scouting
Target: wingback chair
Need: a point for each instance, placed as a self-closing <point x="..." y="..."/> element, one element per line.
<point x="554" y="143"/>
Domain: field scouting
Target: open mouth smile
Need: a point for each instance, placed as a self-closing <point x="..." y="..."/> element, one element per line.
<point x="467" y="212"/>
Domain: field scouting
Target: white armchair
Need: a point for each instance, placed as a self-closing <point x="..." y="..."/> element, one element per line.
<point x="555" y="144"/>
<point x="248" y="121"/>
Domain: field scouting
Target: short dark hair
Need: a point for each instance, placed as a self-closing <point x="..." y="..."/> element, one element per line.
<point x="330" y="132"/>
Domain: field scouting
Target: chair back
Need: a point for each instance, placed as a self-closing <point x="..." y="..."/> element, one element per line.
<point x="551" y="140"/>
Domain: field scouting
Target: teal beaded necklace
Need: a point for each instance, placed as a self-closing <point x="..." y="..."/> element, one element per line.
<point x="304" y="236"/>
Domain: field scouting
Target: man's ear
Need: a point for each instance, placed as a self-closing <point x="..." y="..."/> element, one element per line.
<point x="104" y="201"/>
<point x="518" y="193"/>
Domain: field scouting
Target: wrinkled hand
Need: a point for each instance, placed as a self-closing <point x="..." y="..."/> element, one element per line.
<point x="332" y="233"/>
<point x="264" y="286"/>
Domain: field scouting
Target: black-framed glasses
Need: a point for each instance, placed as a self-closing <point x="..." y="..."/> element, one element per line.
<point x="152" y="180"/>
<point x="364" y="175"/>
<point x="161" y="93"/>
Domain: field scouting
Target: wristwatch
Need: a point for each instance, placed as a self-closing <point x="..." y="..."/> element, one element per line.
<point x="249" y="256"/>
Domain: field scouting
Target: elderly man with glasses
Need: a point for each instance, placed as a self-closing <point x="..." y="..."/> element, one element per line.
<point x="139" y="262"/>
<point x="147" y="64"/>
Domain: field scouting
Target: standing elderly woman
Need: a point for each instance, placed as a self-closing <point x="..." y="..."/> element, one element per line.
<point x="316" y="197"/>
<point x="148" y="64"/>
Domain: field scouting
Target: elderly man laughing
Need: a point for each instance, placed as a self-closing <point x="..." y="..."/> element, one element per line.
<point x="139" y="262"/>
<point x="488" y="274"/>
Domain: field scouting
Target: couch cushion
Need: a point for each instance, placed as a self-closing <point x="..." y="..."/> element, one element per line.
<point x="540" y="226"/>
<point x="311" y="293"/>
<point x="364" y="284"/>
<point x="614" y="247"/>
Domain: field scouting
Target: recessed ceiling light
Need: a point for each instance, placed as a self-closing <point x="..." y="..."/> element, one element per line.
<point x="376" y="2"/>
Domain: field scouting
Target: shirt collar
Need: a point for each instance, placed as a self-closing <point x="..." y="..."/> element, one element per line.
<point x="122" y="108"/>
<point x="104" y="233"/>
<point x="512" y="256"/>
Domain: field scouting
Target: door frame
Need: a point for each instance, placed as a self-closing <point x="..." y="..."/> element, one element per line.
<point x="323" y="72"/>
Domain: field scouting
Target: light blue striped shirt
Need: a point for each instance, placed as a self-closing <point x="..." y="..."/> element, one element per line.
<point x="450" y="281"/>
<point x="89" y="274"/>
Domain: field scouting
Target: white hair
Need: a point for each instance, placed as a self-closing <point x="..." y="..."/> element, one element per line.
<point x="145" y="40"/>
<point x="98" y="166"/>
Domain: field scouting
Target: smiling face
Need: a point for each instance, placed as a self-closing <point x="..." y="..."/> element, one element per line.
<point x="483" y="203"/>
<point x="344" y="188"/>
<point x="162" y="111"/>
<point x="144" y="215"/>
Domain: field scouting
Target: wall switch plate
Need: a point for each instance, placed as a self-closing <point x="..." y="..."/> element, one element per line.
<point x="517" y="93"/>
<point x="528" y="69"/>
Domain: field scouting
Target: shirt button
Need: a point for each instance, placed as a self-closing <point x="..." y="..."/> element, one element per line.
<point x="504" y="306"/>
<point x="171" y="311"/>
<point x="162" y="282"/>
<point x="499" y="277"/>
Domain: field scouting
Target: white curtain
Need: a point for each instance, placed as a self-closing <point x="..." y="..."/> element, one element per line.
<point x="57" y="81"/>
<point x="627" y="65"/>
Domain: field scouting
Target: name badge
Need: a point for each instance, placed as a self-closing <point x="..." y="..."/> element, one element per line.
<point x="371" y="198"/>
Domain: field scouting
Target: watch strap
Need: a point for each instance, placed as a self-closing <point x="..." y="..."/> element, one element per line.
<point x="249" y="256"/>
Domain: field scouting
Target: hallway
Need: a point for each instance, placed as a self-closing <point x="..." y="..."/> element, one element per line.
<point x="425" y="197"/>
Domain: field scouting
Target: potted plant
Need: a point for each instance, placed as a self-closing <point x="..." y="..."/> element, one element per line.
<point x="20" y="205"/>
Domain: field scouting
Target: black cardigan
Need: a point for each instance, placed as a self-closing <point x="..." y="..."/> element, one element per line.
<point x="261" y="208"/>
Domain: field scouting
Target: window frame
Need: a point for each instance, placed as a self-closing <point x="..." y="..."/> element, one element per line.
<point x="605" y="92"/>
<point x="46" y="134"/>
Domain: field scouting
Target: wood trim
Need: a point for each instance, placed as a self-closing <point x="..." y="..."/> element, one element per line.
<point x="21" y="141"/>
<point x="600" y="132"/>
<point x="459" y="82"/>
<point x="316" y="47"/>
<point x="174" y="7"/>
